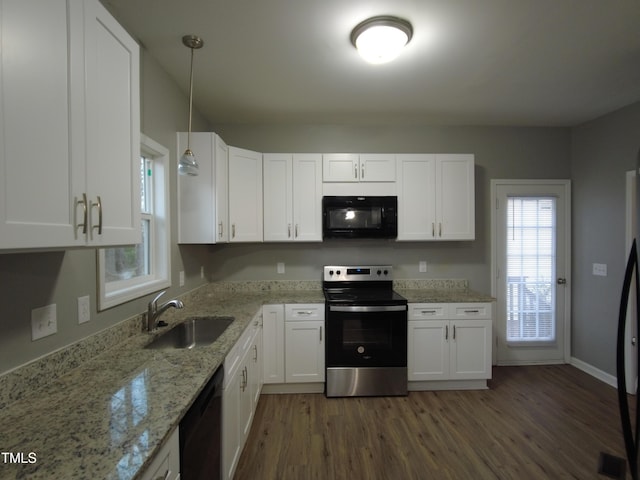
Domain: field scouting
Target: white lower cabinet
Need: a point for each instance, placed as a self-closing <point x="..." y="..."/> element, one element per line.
<point x="166" y="464"/>
<point x="240" y="393"/>
<point x="294" y="348"/>
<point x="449" y="342"/>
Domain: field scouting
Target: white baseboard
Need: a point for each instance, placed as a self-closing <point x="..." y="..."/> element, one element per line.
<point x="595" y="372"/>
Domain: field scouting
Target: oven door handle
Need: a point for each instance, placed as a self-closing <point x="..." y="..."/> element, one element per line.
<point x="367" y="308"/>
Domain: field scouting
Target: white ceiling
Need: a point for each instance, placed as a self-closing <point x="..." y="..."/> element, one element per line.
<point x="470" y="62"/>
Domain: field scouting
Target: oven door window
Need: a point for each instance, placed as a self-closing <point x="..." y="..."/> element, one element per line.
<point x="366" y="339"/>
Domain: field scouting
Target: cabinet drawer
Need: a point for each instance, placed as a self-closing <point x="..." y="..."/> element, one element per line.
<point x="294" y="312"/>
<point x="426" y="311"/>
<point x="470" y="310"/>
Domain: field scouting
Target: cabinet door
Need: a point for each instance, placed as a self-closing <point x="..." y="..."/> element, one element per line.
<point x="196" y="196"/>
<point x="231" y="439"/>
<point x="304" y="351"/>
<point x="455" y="204"/>
<point x="245" y="195"/>
<point x="416" y="197"/>
<point x="470" y="349"/>
<point x="428" y="350"/>
<point x="273" y="343"/>
<point x="112" y="94"/>
<point x="377" y="168"/>
<point x="166" y="464"/>
<point x="36" y="189"/>
<point x="221" y="161"/>
<point x="307" y="197"/>
<point x="278" y="197"/>
<point x="256" y="368"/>
<point x="340" y="167"/>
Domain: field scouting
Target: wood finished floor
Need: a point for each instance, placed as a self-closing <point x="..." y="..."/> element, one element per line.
<point x="542" y="422"/>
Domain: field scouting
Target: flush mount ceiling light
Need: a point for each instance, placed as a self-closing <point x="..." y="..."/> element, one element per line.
<point x="381" y="39"/>
<point x="188" y="164"/>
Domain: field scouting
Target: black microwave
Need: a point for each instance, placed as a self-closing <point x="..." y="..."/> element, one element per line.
<point x="359" y="217"/>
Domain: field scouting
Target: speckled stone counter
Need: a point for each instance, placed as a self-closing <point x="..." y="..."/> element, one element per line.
<point x="107" y="418"/>
<point x="108" y="404"/>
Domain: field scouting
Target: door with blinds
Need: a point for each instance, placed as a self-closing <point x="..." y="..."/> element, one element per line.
<point x="531" y="240"/>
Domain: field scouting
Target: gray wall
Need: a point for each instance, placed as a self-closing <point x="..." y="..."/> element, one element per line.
<point x="31" y="280"/>
<point x="602" y="152"/>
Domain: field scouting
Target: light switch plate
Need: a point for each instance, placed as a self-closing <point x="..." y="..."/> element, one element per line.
<point x="44" y="321"/>
<point x="600" y="269"/>
<point x="181" y="278"/>
<point x="280" y="267"/>
<point x="422" y="266"/>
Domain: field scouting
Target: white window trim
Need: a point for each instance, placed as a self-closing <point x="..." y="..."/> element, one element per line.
<point x="160" y="277"/>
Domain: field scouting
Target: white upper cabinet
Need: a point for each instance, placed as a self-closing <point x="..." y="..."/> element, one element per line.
<point x="69" y="126"/>
<point x="112" y="119"/>
<point x="292" y="197"/>
<point x="203" y="215"/>
<point x="436" y="197"/>
<point x="353" y="167"/>
<point x="245" y="195"/>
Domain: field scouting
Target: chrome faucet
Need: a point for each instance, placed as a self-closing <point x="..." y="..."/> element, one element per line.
<point x="154" y="311"/>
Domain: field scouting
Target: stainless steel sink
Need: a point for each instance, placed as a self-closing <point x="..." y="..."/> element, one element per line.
<point x="192" y="333"/>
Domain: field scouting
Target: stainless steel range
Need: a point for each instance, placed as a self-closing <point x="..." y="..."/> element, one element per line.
<point x="366" y="332"/>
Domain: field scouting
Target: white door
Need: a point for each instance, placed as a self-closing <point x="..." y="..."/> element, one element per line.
<point x="245" y="195"/>
<point x="277" y="197"/>
<point x="531" y="266"/>
<point x="112" y="129"/>
<point x="307" y="197"/>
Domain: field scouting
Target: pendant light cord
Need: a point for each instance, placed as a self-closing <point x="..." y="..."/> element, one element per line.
<point x="190" y="102"/>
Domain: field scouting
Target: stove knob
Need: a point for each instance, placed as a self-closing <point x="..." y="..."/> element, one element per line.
<point x="330" y="272"/>
<point x="338" y="272"/>
<point x="386" y="272"/>
<point x="379" y="272"/>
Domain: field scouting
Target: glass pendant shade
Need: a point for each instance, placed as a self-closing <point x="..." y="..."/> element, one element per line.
<point x="187" y="164"/>
<point x="381" y="39"/>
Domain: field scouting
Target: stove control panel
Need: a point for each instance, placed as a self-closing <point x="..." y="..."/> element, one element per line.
<point x="367" y="273"/>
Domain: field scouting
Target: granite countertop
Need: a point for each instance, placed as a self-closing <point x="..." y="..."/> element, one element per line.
<point x="107" y="417"/>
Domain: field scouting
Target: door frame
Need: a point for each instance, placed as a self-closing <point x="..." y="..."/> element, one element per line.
<point x="566" y="184"/>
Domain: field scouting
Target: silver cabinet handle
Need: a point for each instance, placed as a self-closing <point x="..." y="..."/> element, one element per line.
<point x="99" y="205"/>
<point x="321" y="334"/>
<point x="296" y="231"/>
<point x="446" y="332"/>
<point x="255" y="354"/>
<point x="433" y="229"/>
<point x="362" y="170"/>
<point x="356" y="172"/>
<point x="472" y="311"/>
<point x="85" y="213"/>
<point x="220" y="229"/>
<point x="233" y="230"/>
<point x="439" y="229"/>
<point x="288" y="230"/>
<point x="424" y="312"/>
<point x="454" y="332"/>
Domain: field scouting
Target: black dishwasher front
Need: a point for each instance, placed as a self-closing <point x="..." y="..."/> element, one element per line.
<point x="200" y="433"/>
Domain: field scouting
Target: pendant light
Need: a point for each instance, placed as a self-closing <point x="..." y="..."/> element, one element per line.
<point x="381" y="39"/>
<point x="188" y="164"/>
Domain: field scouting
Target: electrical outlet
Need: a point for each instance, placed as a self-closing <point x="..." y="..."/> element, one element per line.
<point x="181" y="278"/>
<point x="422" y="266"/>
<point x="280" y="267"/>
<point x="44" y="321"/>
<point x="84" y="309"/>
